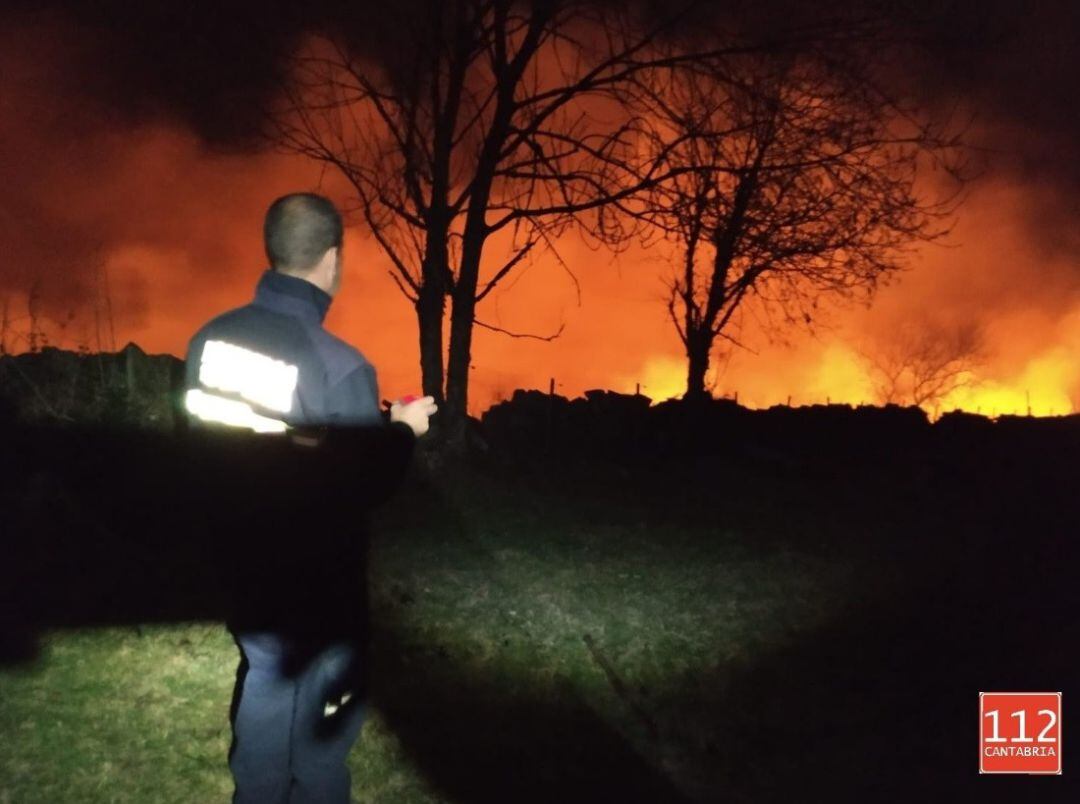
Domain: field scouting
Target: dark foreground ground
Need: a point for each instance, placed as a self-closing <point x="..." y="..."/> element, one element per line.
<point x="729" y="627"/>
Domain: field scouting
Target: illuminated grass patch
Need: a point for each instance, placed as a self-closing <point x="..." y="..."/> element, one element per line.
<point x="500" y="617"/>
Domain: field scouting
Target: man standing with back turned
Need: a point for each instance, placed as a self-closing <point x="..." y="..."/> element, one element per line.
<point x="299" y="599"/>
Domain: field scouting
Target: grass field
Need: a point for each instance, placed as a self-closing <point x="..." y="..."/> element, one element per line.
<point x="721" y="633"/>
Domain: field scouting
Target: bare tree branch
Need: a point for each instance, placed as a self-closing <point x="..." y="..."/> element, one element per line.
<point x="551" y="337"/>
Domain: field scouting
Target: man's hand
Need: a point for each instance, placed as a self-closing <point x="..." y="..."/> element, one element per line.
<point x="415" y="413"/>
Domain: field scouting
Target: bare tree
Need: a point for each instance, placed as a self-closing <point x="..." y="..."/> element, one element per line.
<point x="922" y="362"/>
<point x="480" y="128"/>
<point x="799" y="183"/>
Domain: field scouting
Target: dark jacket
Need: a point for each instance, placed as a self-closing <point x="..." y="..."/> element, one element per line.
<point x="336" y="384"/>
<point x="290" y="520"/>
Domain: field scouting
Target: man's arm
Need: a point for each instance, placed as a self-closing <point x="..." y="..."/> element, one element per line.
<point x="192" y="361"/>
<point x="354" y="399"/>
<point x="370" y="450"/>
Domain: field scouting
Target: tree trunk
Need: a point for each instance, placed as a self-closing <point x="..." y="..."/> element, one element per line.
<point x="462" y="315"/>
<point x="463" y="309"/>
<point x="698" y="346"/>
<point x="430" y="309"/>
<point x="429" y="313"/>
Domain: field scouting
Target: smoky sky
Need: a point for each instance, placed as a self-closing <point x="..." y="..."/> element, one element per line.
<point x="208" y="66"/>
<point x="1018" y="63"/>
<point x="1016" y="66"/>
<point x="213" y="66"/>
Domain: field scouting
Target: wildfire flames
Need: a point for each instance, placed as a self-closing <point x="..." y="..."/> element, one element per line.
<point x="143" y="227"/>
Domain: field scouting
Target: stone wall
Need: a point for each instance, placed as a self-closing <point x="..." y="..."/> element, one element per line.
<point x="128" y="387"/>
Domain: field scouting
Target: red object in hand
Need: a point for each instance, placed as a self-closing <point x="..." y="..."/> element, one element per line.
<point x="405" y="400"/>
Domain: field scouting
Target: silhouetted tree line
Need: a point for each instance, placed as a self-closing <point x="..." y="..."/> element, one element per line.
<point x="626" y="426"/>
<point x="132" y="389"/>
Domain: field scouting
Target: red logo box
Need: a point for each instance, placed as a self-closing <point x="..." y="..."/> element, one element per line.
<point x="1019" y="732"/>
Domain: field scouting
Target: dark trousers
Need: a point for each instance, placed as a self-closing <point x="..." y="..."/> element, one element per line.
<point x="297" y="710"/>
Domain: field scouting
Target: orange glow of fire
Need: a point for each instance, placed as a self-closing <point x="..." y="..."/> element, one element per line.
<point x="194" y="249"/>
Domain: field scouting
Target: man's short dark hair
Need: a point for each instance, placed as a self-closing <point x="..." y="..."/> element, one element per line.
<point x="299" y="229"/>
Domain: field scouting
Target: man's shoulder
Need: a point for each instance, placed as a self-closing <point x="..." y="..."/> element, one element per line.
<point x="221" y="320"/>
<point x="225" y="319"/>
<point x="250" y="321"/>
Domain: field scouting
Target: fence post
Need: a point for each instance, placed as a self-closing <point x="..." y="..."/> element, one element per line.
<point x="551" y="404"/>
